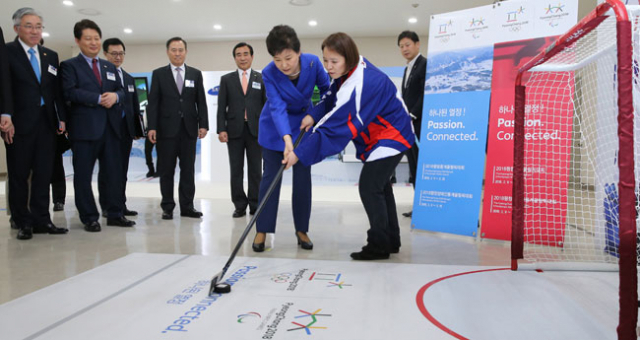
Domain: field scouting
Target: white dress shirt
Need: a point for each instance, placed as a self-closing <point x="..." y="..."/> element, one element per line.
<point x="407" y="73"/>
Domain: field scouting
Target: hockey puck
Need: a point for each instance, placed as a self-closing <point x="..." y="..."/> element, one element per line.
<point x="222" y="288"/>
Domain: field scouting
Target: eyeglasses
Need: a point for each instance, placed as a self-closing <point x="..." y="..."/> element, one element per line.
<point x="116" y="54"/>
<point x="30" y="27"/>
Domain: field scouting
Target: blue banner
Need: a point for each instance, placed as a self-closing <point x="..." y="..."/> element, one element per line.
<point x="451" y="162"/>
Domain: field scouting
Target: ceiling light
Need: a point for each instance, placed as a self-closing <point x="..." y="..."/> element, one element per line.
<point x="67" y="3"/>
<point x="45" y="34"/>
<point x="413" y="20"/>
<point x="128" y="30"/>
<point x="217" y="27"/>
<point x="313" y="23"/>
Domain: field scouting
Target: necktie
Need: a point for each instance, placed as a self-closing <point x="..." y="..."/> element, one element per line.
<point x="407" y="73"/>
<point x="36" y="68"/>
<point x="122" y="82"/>
<point x="179" y="80"/>
<point x="96" y="72"/>
<point x="244" y="89"/>
<point x="34" y="63"/>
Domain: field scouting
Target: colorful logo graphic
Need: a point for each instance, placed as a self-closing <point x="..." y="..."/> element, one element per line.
<point x="476" y="23"/>
<point x="325" y="276"/>
<point x="340" y="284"/>
<point x="307" y="328"/>
<point x="242" y="318"/>
<point x="214" y="91"/>
<point x="555" y="9"/>
<point x="444" y="27"/>
<point x="513" y="16"/>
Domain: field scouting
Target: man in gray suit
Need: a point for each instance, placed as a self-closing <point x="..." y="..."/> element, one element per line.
<point x="240" y="102"/>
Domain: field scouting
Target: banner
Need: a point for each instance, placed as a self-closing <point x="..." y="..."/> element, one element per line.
<point x="458" y="88"/>
<point x="508" y="58"/>
<point x="454" y="125"/>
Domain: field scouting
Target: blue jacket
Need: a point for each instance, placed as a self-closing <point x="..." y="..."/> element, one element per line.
<point x="366" y="109"/>
<point x="287" y="104"/>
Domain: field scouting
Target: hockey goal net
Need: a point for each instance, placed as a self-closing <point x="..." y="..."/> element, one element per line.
<point x="574" y="191"/>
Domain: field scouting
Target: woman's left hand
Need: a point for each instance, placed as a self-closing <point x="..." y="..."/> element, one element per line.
<point x="307" y="123"/>
<point x="290" y="160"/>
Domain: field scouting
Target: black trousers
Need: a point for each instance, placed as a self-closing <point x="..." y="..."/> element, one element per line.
<point x="237" y="147"/>
<point x="379" y="203"/>
<point x="31" y="154"/>
<point x="107" y="151"/>
<point x="148" y="154"/>
<point x="182" y="147"/>
<point x="58" y="179"/>
<point x="126" y="143"/>
<point x="412" y="157"/>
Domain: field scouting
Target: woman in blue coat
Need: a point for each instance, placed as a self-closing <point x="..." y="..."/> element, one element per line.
<point x="289" y="82"/>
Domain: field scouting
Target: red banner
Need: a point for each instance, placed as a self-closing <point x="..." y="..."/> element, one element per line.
<point x="548" y="125"/>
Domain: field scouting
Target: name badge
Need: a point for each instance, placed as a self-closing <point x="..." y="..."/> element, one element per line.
<point x="111" y="76"/>
<point x="131" y="88"/>
<point x="53" y="70"/>
<point x="189" y="83"/>
<point x="256" y="86"/>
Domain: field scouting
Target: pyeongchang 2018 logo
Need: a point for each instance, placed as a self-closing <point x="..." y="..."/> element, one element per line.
<point x="554" y="14"/>
<point x="309" y="319"/>
<point x="294" y="279"/>
<point x="444" y="32"/>
<point x="513" y="15"/>
<point x="476" y="26"/>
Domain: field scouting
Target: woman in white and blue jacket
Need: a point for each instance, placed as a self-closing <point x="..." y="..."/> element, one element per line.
<point x="289" y="82"/>
<point x="363" y="106"/>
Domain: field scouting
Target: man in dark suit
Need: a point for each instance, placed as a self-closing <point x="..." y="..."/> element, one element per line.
<point x="413" y="92"/>
<point x="6" y="104"/>
<point x="177" y="113"/>
<point x="114" y="50"/>
<point x="93" y="91"/>
<point x="38" y="113"/>
<point x="240" y="101"/>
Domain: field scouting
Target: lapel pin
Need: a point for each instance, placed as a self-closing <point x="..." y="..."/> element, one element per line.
<point x="44" y="54"/>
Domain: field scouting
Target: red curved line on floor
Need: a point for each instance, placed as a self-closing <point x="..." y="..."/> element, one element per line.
<point x="425" y="312"/>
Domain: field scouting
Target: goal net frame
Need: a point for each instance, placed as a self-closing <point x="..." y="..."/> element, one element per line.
<point x="627" y="264"/>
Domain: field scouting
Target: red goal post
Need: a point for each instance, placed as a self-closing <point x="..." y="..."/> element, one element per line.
<point x="564" y="59"/>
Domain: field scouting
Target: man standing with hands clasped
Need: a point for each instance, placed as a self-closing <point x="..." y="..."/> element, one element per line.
<point x="94" y="94"/>
<point x="177" y="113"/>
<point x="240" y="101"/>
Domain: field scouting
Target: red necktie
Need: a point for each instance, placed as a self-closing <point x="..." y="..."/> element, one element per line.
<point x="244" y="89"/>
<point x="96" y="72"/>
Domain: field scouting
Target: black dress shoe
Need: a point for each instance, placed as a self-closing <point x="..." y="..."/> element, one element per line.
<point x="58" y="206"/>
<point x="167" y="215"/>
<point x="303" y="244"/>
<point x="127" y="212"/>
<point x="395" y="250"/>
<point x="50" y="228"/>
<point x="258" y="247"/>
<point x="252" y="212"/>
<point x="13" y="224"/>
<point x="239" y="213"/>
<point x="407" y="214"/>
<point x="191" y="213"/>
<point x="120" y="222"/>
<point x="25" y="234"/>
<point x="366" y="254"/>
<point x="151" y="173"/>
<point x="92" y="227"/>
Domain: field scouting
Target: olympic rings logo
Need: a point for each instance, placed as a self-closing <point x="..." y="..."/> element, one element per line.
<point x="281" y="278"/>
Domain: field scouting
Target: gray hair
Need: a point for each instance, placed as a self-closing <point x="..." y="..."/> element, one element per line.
<point x="19" y="14"/>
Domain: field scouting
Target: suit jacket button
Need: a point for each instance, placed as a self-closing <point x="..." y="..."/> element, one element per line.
<point x="181" y="100"/>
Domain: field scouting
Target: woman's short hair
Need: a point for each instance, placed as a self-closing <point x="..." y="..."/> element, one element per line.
<point x="280" y="38"/>
<point x="342" y="44"/>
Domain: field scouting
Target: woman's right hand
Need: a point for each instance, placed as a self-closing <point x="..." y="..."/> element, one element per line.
<point x="288" y="145"/>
